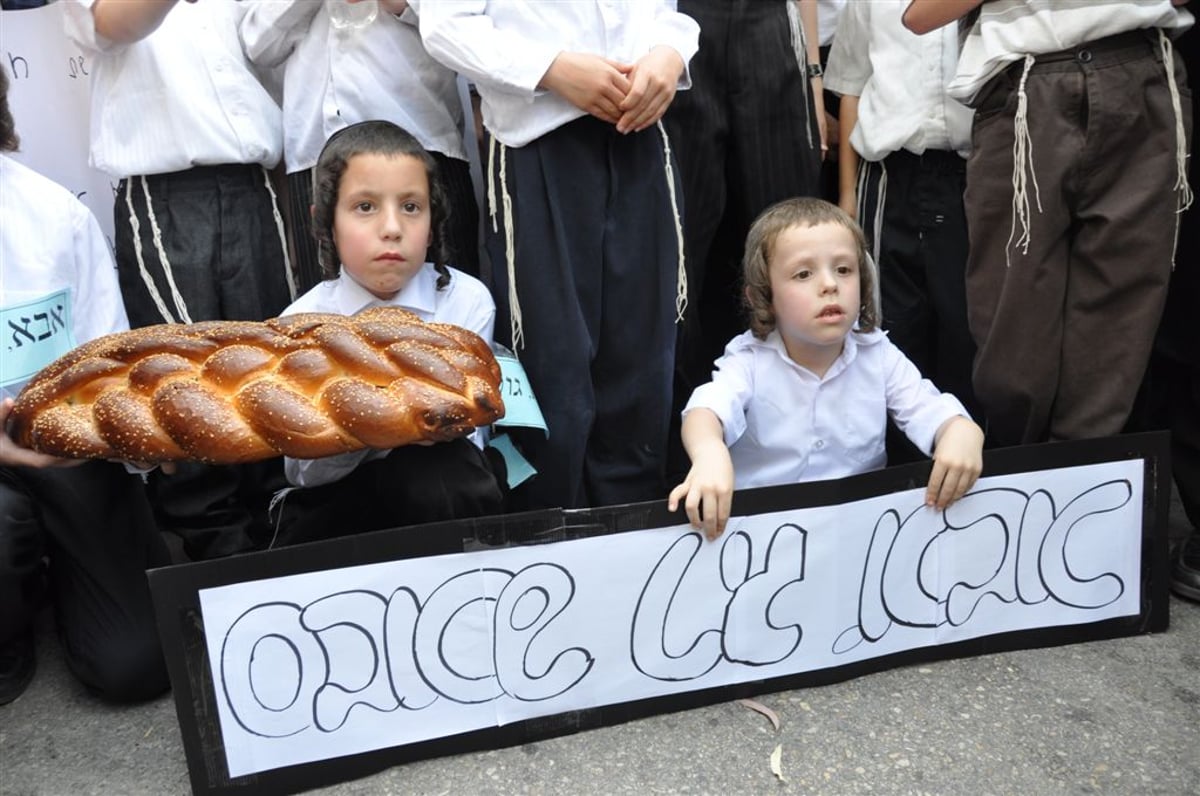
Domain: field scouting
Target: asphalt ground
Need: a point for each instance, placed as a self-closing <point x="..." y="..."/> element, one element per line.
<point x="1118" y="716"/>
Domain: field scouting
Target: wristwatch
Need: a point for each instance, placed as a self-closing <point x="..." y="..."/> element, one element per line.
<point x="815" y="70"/>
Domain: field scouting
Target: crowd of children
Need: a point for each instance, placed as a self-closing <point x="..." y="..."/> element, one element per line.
<point x="633" y="151"/>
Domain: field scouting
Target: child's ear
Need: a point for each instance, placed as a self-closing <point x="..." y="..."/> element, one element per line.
<point x="312" y="212"/>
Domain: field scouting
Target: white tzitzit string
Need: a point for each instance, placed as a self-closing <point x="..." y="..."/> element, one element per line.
<point x="877" y="219"/>
<point x="176" y="296"/>
<point x="681" y="279"/>
<point x="1181" y="150"/>
<point x="136" y="226"/>
<point x="277" y="501"/>
<point x="1023" y="170"/>
<point x="491" y="180"/>
<point x="800" y="47"/>
<point x="515" y="325"/>
<point x="287" y="261"/>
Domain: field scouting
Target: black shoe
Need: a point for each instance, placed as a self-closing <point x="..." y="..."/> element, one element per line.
<point x="17" y="664"/>
<point x="1185" y="570"/>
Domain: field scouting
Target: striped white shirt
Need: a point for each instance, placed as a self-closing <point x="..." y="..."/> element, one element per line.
<point x="183" y="96"/>
<point x="336" y="78"/>
<point x="1008" y="30"/>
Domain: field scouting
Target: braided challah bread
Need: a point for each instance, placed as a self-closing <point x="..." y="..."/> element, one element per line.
<point x="222" y="392"/>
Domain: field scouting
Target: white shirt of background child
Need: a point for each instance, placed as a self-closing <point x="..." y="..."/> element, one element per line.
<point x="464" y="302"/>
<point x="828" y="13"/>
<point x="900" y="79"/>
<point x="335" y="78"/>
<point x="184" y="96"/>
<point x="506" y="48"/>
<point x="51" y="241"/>
<point x="784" y="425"/>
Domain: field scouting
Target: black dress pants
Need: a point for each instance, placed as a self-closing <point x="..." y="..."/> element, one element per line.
<point x="94" y="525"/>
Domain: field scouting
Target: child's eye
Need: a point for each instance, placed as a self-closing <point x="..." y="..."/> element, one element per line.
<point x="363" y="207"/>
<point x="845" y="270"/>
<point x="412" y="207"/>
<point x="803" y="273"/>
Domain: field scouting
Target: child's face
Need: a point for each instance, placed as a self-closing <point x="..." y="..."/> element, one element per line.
<point x="815" y="291"/>
<point x="381" y="225"/>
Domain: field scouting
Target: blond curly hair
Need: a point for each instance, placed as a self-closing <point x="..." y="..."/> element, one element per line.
<point x="760" y="241"/>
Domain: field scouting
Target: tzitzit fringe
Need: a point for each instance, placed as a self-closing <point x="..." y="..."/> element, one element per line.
<point x="681" y="279"/>
<point x="491" y="181"/>
<point x="516" y="325"/>
<point x="864" y="211"/>
<point x="176" y="296"/>
<point x="287" y="261"/>
<point x="1181" y="151"/>
<point x="136" y="227"/>
<point x="800" y="47"/>
<point x="875" y="213"/>
<point x="277" y="502"/>
<point x="1022" y="166"/>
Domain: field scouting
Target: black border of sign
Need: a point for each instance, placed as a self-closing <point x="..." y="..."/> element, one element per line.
<point x="177" y="604"/>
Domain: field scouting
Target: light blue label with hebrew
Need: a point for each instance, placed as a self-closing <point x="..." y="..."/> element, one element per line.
<point x="518" y="467"/>
<point x="34" y="334"/>
<point x="520" y="406"/>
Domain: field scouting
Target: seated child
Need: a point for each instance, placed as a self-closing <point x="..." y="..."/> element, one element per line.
<point x="806" y="393"/>
<point x="378" y="212"/>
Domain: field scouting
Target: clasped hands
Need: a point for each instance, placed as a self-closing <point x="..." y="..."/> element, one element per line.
<point x="630" y="96"/>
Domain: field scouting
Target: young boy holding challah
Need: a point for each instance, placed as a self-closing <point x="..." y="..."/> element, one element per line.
<point x="378" y="215"/>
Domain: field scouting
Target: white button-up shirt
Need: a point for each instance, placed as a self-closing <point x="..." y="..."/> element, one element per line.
<point x="783" y="424"/>
<point x="336" y="78"/>
<point x="50" y="242"/>
<point x="506" y="46"/>
<point x="184" y="96"/>
<point x="900" y="79"/>
<point x="464" y="302"/>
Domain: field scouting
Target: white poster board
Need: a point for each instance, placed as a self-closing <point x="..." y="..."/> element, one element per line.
<point x="49" y="95"/>
<point x="315" y="666"/>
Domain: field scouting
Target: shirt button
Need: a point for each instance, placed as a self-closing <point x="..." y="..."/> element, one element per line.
<point x="819" y="444"/>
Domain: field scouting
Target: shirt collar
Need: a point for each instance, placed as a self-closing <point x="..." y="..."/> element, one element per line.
<point x="418" y="296"/>
<point x="849" y="351"/>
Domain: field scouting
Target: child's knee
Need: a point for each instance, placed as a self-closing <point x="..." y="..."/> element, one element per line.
<point x="123" y="669"/>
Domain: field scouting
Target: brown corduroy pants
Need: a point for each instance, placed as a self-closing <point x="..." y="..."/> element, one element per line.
<point x="1064" y="328"/>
